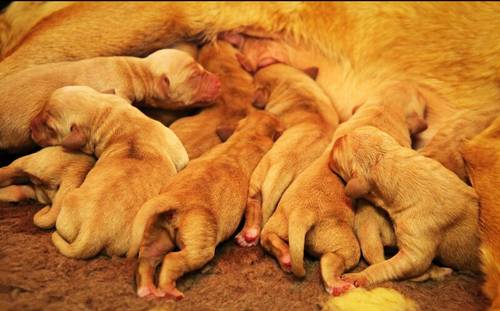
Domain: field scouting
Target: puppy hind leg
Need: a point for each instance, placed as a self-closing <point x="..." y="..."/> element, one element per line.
<point x="433" y="273"/>
<point x="271" y="240"/>
<point x="15" y="193"/>
<point x="197" y="238"/>
<point x="332" y="266"/>
<point x="275" y="184"/>
<point x="249" y="235"/>
<point x="10" y="175"/>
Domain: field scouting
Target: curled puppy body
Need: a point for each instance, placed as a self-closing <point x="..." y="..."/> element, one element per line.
<point x="51" y="174"/>
<point x="482" y="159"/>
<point x="445" y="145"/>
<point x="197" y="132"/>
<point x="169" y="79"/>
<point x="309" y="119"/>
<point x="314" y="214"/>
<point x="433" y="211"/>
<point x="199" y="208"/>
<point x="136" y="155"/>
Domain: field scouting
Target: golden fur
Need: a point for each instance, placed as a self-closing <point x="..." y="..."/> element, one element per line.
<point x="309" y="121"/>
<point x="168" y="79"/>
<point x="433" y="211"/>
<point x="199" y="208"/>
<point x="136" y="156"/>
<point x="197" y="132"/>
<point x="482" y="158"/>
<point x="51" y="174"/>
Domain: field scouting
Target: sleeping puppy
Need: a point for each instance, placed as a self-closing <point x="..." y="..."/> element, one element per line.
<point x="482" y="159"/>
<point x="199" y="208"/>
<point x="136" y="155"/>
<point x="314" y="213"/>
<point x="197" y="132"/>
<point x="309" y="119"/>
<point x="47" y="176"/>
<point x="433" y="211"/>
<point x="168" y="79"/>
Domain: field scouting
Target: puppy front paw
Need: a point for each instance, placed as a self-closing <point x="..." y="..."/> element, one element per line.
<point x="247" y="238"/>
<point x="339" y="287"/>
<point x="356" y="279"/>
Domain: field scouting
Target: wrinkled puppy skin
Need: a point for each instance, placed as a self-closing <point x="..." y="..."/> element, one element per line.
<point x="46" y="176"/>
<point x="309" y="119"/>
<point x="167" y="79"/>
<point x="199" y="208"/>
<point x="198" y="132"/>
<point x="482" y="159"/>
<point x="136" y="155"/>
<point x="433" y="211"/>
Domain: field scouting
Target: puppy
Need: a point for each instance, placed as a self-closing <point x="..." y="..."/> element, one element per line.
<point x="199" y="208"/>
<point x="309" y="119"/>
<point x="51" y="174"/>
<point x="168" y="79"/>
<point x="314" y="213"/>
<point x="433" y="211"/>
<point x="446" y="143"/>
<point x="482" y="155"/>
<point x="136" y="155"/>
<point x="197" y="132"/>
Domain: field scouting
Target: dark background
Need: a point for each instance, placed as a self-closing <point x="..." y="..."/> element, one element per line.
<point x="4" y="4"/>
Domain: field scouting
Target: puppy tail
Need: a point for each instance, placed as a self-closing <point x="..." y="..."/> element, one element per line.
<point x="84" y="246"/>
<point x="300" y="222"/>
<point x="154" y="206"/>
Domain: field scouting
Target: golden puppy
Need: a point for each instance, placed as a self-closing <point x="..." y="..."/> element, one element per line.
<point x="52" y="173"/>
<point x="197" y="132"/>
<point x="199" y="208"/>
<point x="309" y="119"/>
<point x="433" y="211"/>
<point x="136" y="155"/>
<point x="482" y="159"/>
<point x="464" y="125"/>
<point x="314" y="213"/>
<point x="165" y="79"/>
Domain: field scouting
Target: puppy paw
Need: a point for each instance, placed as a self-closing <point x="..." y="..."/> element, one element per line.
<point x="339" y="287"/>
<point x="149" y="291"/>
<point x="285" y="262"/>
<point x="247" y="238"/>
<point x="356" y="279"/>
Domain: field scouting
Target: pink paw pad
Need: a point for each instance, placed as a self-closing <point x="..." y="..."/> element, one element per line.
<point x="286" y="262"/>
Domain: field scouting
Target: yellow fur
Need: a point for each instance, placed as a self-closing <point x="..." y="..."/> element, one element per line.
<point x="377" y="299"/>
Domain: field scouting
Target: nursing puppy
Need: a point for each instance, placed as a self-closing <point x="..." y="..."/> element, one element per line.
<point x="46" y="176"/>
<point x="197" y="132"/>
<point x="314" y="214"/>
<point x="199" y="208"/>
<point x="169" y="79"/>
<point x="482" y="159"/>
<point x="433" y="211"/>
<point x="309" y="119"/>
<point x="136" y="155"/>
<point x="464" y="125"/>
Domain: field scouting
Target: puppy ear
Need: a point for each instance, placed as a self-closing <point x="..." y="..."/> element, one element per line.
<point x="245" y="63"/>
<point x="75" y="140"/>
<point x="416" y="124"/>
<point x="278" y="131"/>
<point x="260" y="98"/>
<point x="235" y="39"/>
<point x="225" y="131"/>
<point x="357" y="187"/>
<point x="312" y="72"/>
<point x="163" y="86"/>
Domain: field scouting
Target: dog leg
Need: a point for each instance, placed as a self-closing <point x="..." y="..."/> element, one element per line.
<point x="332" y="266"/>
<point x="16" y="193"/>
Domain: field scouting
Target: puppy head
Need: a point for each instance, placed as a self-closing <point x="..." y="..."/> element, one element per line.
<point x="179" y="81"/>
<point x="355" y="154"/>
<point x="258" y="123"/>
<point x="67" y="117"/>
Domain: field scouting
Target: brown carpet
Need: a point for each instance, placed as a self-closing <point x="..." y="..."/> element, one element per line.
<point x="34" y="276"/>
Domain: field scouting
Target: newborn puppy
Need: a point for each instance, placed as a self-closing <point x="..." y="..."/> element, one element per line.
<point x="433" y="211"/>
<point x="482" y="159"/>
<point x="464" y="125"/>
<point x="136" y="155"/>
<point x="197" y="132"/>
<point x="50" y="174"/>
<point x="168" y="79"/>
<point x="199" y="208"/>
<point x="309" y="119"/>
<point x="314" y="213"/>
